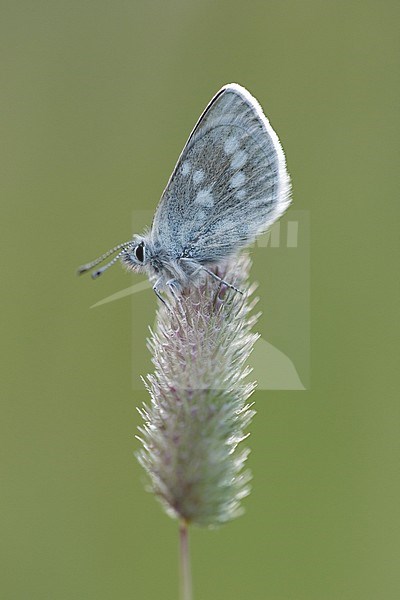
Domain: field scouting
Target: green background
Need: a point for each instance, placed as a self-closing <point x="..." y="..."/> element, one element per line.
<point x="97" y="100"/>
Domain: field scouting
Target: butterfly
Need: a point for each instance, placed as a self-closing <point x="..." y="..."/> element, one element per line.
<point x="230" y="184"/>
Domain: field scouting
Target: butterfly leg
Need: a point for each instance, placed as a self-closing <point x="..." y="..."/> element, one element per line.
<point x="213" y="275"/>
<point x="157" y="293"/>
<point x="174" y="287"/>
<point x="229" y="285"/>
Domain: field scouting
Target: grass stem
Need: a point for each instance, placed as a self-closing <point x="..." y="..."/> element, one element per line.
<point x="185" y="571"/>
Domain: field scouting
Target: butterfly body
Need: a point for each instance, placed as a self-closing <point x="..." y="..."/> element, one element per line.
<point x="230" y="184"/>
<point x="159" y="264"/>
<point x="175" y="271"/>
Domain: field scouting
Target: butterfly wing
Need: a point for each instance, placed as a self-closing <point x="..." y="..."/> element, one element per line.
<point x="229" y="184"/>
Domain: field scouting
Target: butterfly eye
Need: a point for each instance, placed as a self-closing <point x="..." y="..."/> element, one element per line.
<point x="139" y="252"/>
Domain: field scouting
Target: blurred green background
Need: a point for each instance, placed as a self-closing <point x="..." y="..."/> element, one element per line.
<point x="97" y="100"/>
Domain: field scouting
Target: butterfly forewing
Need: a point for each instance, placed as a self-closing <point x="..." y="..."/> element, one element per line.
<point x="229" y="185"/>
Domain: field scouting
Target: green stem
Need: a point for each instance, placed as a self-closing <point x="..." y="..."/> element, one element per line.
<point x="185" y="574"/>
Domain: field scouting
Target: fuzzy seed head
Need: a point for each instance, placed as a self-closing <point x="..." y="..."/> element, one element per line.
<point x="198" y="415"/>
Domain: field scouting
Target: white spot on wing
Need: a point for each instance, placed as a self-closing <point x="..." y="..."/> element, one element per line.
<point x="238" y="179"/>
<point x="205" y="198"/>
<point x="239" y="159"/>
<point x="231" y="144"/>
<point x="186" y="167"/>
<point x="240" y="194"/>
<point x="198" y="176"/>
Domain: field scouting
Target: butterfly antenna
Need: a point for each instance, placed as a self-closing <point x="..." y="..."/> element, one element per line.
<point x="97" y="273"/>
<point x="89" y="266"/>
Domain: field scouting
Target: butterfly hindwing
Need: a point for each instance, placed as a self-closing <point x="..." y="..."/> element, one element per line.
<point x="230" y="182"/>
